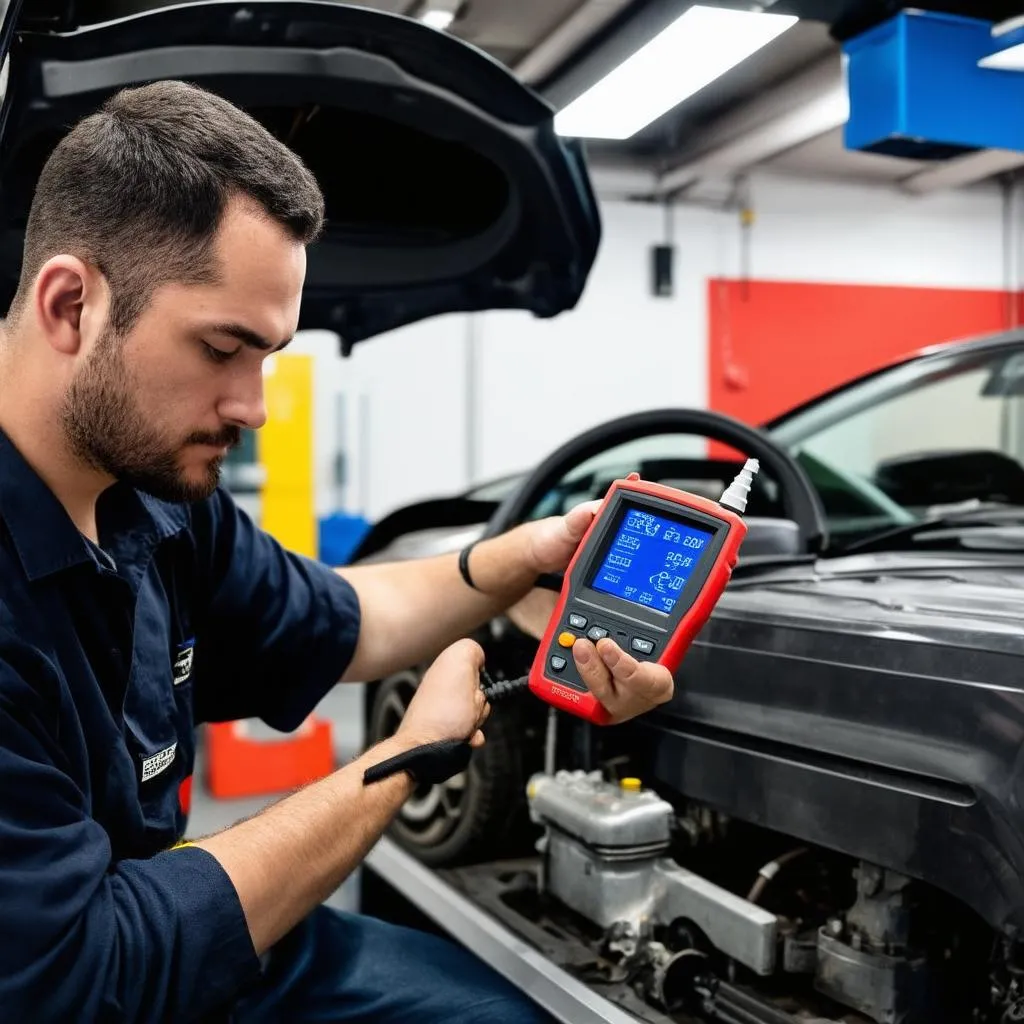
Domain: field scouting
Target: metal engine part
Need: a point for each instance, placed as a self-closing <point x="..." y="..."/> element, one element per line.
<point x="603" y="849"/>
<point x="866" y="963"/>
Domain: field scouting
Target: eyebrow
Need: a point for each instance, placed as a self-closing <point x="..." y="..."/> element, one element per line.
<point x="248" y="337"/>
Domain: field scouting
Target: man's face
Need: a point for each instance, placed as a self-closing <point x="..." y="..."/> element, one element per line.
<point x="160" y="407"/>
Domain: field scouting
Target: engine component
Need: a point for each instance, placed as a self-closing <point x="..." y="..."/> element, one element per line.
<point x="888" y="989"/>
<point x="668" y="980"/>
<point x="800" y="951"/>
<point x="867" y="964"/>
<point x="725" y="1003"/>
<point x="603" y="848"/>
<point x="770" y="870"/>
<point x="601" y="844"/>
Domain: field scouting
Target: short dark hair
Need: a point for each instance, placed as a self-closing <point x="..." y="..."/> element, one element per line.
<point x="138" y="189"/>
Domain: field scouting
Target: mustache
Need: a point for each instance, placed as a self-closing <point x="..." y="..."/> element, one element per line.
<point x="229" y="437"/>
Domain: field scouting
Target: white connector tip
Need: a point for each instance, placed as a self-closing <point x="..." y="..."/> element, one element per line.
<point x="735" y="495"/>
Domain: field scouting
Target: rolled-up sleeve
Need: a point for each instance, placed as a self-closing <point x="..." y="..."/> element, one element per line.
<point x="83" y="938"/>
<point x="279" y="629"/>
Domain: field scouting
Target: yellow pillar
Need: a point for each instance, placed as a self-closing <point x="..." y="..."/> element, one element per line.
<point x="285" y="450"/>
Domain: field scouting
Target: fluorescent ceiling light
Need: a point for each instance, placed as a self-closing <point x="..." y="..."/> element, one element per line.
<point x="1011" y="59"/>
<point x="437" y="18"/>
<point x="698" y="47"/>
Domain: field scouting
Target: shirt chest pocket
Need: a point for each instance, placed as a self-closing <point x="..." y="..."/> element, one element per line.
<point x="158" y="710"/>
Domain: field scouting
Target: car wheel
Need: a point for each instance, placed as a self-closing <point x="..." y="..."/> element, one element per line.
<point x="470" y="816"/>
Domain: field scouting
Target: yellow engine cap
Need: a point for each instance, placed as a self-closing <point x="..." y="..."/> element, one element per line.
<point x="630" y="785"/>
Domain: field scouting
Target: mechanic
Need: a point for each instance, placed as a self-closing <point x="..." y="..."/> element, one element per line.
<point x="164" y="261"/>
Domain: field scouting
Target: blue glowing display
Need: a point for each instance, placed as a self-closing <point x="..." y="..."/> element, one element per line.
<point x="650" y="560"/>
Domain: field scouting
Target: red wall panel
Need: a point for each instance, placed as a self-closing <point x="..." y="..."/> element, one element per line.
<point x="775" y="344"/>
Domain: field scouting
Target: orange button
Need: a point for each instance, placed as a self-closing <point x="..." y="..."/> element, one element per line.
<point x="566" y="639"/>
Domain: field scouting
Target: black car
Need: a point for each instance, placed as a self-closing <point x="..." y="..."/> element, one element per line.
<point x="840" y="775"/>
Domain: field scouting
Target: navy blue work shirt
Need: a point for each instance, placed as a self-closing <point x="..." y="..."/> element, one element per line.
<point x="109" y="656"/>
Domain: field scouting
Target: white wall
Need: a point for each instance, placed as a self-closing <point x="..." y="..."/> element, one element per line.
<point x="533" y="384"/>
<point x="813" y="231"/>
<point x="401" y="420"/>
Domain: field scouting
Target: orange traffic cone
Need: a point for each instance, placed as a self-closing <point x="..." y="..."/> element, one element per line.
<point x="237" y="765"/>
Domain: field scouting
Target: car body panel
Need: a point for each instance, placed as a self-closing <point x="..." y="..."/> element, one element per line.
<point x="875" y="707"/>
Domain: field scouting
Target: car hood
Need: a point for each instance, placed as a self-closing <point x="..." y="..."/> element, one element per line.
<point x="446" y="186"/>
<point x="961" y="601"/>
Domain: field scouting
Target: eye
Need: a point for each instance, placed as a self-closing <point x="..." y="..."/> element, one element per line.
<point x="217" y="355"/>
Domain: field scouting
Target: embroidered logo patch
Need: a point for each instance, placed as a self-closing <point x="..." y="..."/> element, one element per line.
<point x="183" y="661"/>
<point x="154" y="765"/>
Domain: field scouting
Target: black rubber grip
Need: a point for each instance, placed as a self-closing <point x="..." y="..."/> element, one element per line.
<point x="430" y="763"/>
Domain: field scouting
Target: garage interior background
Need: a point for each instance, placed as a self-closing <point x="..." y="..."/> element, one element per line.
<point x="797" y="264"/>
<point x="750" y="184"/>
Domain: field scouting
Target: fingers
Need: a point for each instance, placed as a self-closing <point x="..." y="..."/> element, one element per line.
<point x="594" y="672"/>
<point x="625" y="686"/>
<point x="483" y="710"/>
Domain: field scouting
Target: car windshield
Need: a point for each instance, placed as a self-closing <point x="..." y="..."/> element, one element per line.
<point x="933" y="438"/>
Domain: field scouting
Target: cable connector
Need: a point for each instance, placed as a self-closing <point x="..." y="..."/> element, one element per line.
<point x="735" y="495"/>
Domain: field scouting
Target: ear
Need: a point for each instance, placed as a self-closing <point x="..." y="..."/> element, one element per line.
<point x="69" y="303"/>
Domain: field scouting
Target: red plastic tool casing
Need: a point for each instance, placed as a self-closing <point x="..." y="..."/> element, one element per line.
<point x="674" y="642"/>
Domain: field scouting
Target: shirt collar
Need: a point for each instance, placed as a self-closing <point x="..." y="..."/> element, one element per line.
<point x="44" y="535"/>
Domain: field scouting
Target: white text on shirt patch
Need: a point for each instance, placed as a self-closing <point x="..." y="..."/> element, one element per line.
<point x="183" y="661"/>
<point x="158" y="762"/>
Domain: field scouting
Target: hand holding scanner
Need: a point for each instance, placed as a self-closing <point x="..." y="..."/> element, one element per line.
<point x="647" y="574"/>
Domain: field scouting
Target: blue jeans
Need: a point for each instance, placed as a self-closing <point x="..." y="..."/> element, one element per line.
<point x="349" y="968"/>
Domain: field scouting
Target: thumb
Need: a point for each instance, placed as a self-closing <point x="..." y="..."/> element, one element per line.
<point x="462" y="652"/>
<point x="577" y="520"/>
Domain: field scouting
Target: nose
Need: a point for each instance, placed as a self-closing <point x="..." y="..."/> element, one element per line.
<point x="244" y="406"/>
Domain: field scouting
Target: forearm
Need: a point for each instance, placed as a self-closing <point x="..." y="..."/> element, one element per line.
<point x="288" y="859"/>
<point x="419" y="607"/>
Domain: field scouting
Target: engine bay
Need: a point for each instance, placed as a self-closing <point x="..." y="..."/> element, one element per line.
<point x="680" y="914"/>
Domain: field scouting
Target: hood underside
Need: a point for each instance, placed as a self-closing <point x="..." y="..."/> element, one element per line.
<point x="445" y="184"/>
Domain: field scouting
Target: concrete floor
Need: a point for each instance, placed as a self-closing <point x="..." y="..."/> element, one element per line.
<point x="343" y="707"/>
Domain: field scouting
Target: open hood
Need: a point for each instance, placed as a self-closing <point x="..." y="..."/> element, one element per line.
<point x="446" y="186"/>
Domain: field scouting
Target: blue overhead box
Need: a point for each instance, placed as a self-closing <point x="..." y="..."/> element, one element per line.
<point x="917" y="90"/>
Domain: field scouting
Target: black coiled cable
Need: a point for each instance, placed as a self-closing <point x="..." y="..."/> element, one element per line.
<point x="503" y="688"/>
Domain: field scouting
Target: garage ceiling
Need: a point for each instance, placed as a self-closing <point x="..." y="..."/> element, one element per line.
<point x="781" y="108"/>
<point x="562" y="47"/>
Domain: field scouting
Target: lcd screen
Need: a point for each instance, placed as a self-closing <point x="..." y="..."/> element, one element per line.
<point x="650" y="559"/>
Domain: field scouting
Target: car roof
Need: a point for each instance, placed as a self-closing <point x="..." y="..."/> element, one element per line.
<point x="1010" y="339"/>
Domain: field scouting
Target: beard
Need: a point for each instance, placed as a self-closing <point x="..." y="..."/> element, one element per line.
<point x="106" y="428"/>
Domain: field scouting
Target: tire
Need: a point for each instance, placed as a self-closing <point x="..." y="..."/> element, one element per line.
<point x="476" y="815"/>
